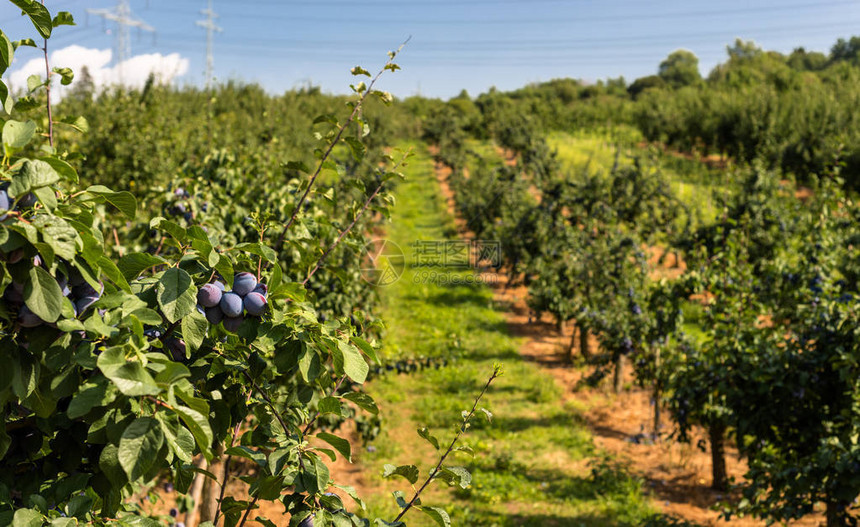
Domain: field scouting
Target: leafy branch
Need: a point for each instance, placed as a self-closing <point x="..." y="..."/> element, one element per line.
<point x="356" y="108"/>
<point x="467" y="417"/>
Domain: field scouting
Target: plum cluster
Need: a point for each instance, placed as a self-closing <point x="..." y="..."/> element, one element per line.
<point x="74" y="287"/>
<point x="7" y="202"/>
<point x="181" y="206"/>
<point x="219" y="305"/>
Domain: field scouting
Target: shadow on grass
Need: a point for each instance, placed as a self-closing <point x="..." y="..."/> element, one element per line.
<point x="519" y="424"/>
<point x="539" y="519"/>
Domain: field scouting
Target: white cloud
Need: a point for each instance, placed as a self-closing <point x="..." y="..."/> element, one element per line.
<point x="133" y="72"/>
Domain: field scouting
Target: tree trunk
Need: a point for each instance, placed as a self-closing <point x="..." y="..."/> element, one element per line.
<point x="583" y="342"/>
<point x="619" y="372"/>
<point x="571" y="344"/>
<point x="836" y="514"/>
<point x="211" y="489"/>
<point x="196" y="492"/>
<point x="657" y="394"/>
<point x="717" y="432"/>
<point x="560" y="325"/>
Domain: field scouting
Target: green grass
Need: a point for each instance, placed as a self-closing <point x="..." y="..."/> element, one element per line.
<point x="535" y="463"/>
<point x="693" y="182"/>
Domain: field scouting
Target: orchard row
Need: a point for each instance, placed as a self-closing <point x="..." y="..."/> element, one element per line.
<point x="755" y="341"/>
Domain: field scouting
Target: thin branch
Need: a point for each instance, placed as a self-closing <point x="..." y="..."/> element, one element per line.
<point x="268" y="401"/>
<point x="311" y="422"/>
<point x="335" y="141"/>
<point x="354" y="221"/>
<point x="48" y="92"/>
<point x="342" y="235"/>
<point x="496" y="372"/>
<point x="248" y="511"/>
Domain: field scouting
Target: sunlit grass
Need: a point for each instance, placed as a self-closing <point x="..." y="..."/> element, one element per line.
<point x="535" y="461"/>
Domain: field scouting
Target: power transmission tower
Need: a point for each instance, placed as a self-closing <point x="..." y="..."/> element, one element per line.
<point x="211" y="29"/>
<point x="124" y="19"/>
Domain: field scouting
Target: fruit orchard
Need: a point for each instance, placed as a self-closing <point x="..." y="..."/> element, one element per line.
<point x="184" y="308"/>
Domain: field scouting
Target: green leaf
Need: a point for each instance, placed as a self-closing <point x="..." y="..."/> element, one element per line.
<point x="258" y="458"/>
<point x="63" y="18"/>
<point x="454" y="476"/>
<point x="27" y="518"/>
<point x="47" y="197"/>
<point x="225" y="267"/>
<point x="6" y="101"/>
<point x="7" y="52"/>
<point x="259" y="249"/>
<point x="29" y="42"/>
<point x="267" y="488"/>
<point x="409" y="472"/>
<point x="113" y="273"/>
<point x="33" y="174"/>
<point x="139" y="446"/>
<point x="5" y="442"/>
<point x="172" y="228"/>
<point x="88" y="397"/>
<point x="172" y="372"/>
<point x="17" y="134"/>
<point x="194" y="328"/>
<point x="178" y="438"/>
<point x="439" y="515"/>
<point x="43" y="295"/>
<point x="129" y="377"/>
<point x="177" y="295"/>
<point x="425" y="433"/>
<point x="365" y="346"/>
<point x="358" y="70"/>
<point x="298" y="166"/>
<point x="329" y="405"/>
<point x="78" y="123"/>
<point x="65" y="170"/>
<point x="354" y="364"/>
<point x="61" y="237"/>
<point x="131" y="265"/>
<point x="123" y="201"/>
<point x="198" y="424"/>
<point x="34" y="82"/>
<point x="363" y="401"/>
<point x="109" y="464"/>
<point x="38" y="14"/>
<point x="66" y="75"/>
<point x="356" y="147"/>
<point x="339" y="444"/>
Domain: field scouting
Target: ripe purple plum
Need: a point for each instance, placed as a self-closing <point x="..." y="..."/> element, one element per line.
<point x="83" y="303"/>
<point x="255" y="304"/>
<point x="28" y="319"/>
<point x="231" y="304"/>
<point x="244" y="283"/>
<point x="232" y="324"/>
<point x="209" y="295"/>
<point x="214" y="315"/>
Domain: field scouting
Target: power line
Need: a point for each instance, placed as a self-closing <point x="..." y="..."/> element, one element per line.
<point x="122" y="16"/>
<point x="328" y="18"/>
<point x="211" y="29"/>
<point x="282" y="44"/>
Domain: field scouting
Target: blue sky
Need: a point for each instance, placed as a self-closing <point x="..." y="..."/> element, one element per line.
<point x="455" y="44"/>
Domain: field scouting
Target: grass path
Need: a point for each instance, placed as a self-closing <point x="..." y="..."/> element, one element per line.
<point x="535" y="463"/>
